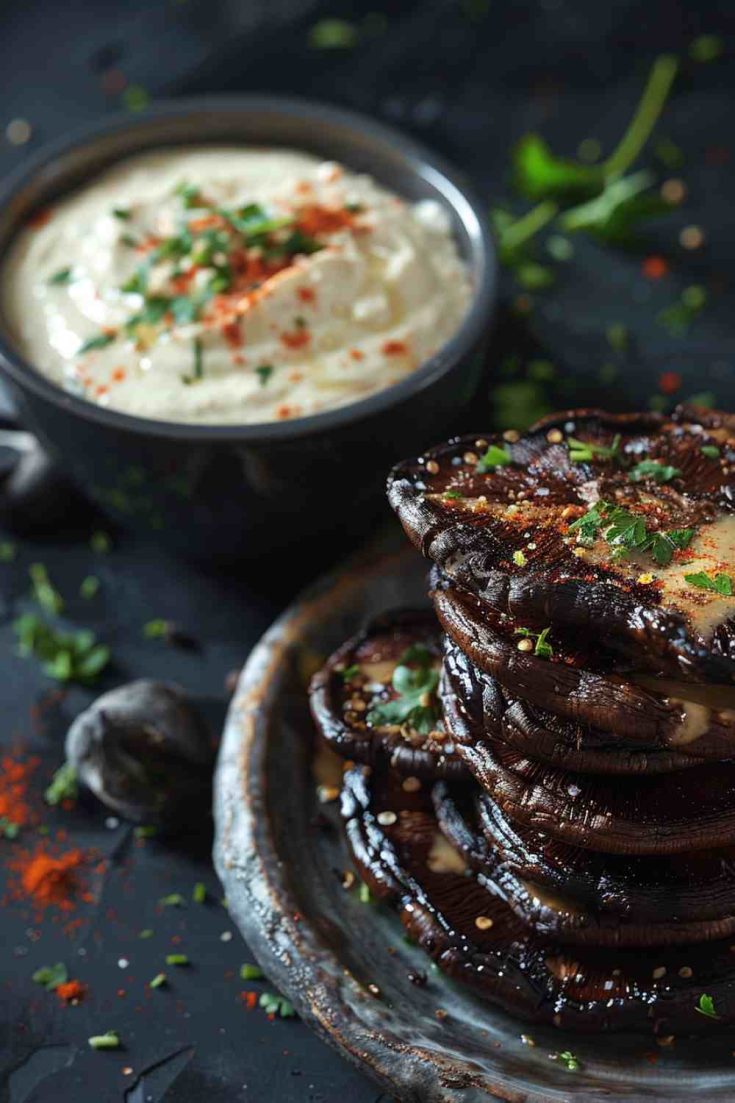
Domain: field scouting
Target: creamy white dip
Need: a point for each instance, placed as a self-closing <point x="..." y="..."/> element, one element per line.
<point x="228" y="285"/>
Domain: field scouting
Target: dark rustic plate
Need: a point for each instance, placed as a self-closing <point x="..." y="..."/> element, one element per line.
<point x="280" y="858"/>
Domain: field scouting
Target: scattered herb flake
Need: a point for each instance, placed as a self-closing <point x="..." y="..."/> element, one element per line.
<point x="121" y="213"/>
<point x="415" y="687"/>
<point x="8" y="551"/>
<point x="198" y="371"/>
<point x="72" y="657"/>
<point x="364" y="894"/>
<point x="199" y="893"/>
<point x="44" y="592"/>
<point x="452" y="495"/>
<point x="711" y="451"/>
<point x="264" y="372"/>
<point x="627" y="531"/>
<point x="706" y="48"/>
<point x="539" y="174"/>
<point x="89" y="587"/>
<point x="147" y="932"/>
<point x="653" y="469"/>
<point x="9" y="829"/>
<point x="61" y="278"/>
<point x="173" y="900"/>
<point x="617" y="336"/>
<point x="706" y="1006"/>
<point x="679" y="316"/>
<point x="63" y="785"/>
<point x="519" y="558"/>
<point x="495" y="456"/>
<point x="350" y="672"/>
<point x="146" y="831"/>
<point x="333" y="34"/>
<point x="100" y="542"/>
<point x="156" y="629"/>
<point x="177" y="959"/>
<point x="158" y="981"/>
<point x="568" y="1059"/>
<point x="581" y="451"/>
<point x="250" y="972"/>
<point x="274" y="1004"/>
<point x="100" y="341"/>
<point x="721" y="584"/>
<point x="109" y="1040"/>
<point x="51" y="976"/>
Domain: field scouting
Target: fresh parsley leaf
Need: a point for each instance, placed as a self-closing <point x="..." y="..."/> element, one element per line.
<point x="567" y="1058"/>
<point x="542" y="648"/>
<point x="494" y="457"/>
<point x="662" y="545"/>
<point x="540" y="174"/>
<point x="653" y="469"/>
<point x="711" y="451"/>
<point x="452" y="495"/>
<point x="627" y="531"/>
<point x="721" y="584"/>
<point x="706" y="1006"/>
<point x="250" y="972"/>
<point x="415" y="687"/>
<point x="68" y="657"/>
<point x="350" y="672"/>
<point x="264" y="372"/>
<point x="109" y="1040"/>
<point x="121" y="213"/>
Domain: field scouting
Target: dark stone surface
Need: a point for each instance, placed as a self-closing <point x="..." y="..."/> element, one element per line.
<point x="469" y="85"/>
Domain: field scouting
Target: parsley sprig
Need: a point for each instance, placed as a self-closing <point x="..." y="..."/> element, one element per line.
<point x="414" y="686"/>
<point x="582" y="451"/>
<point x="626" y="531"/>
<point x="721" y="584"/>
<point x="542" y="647"/>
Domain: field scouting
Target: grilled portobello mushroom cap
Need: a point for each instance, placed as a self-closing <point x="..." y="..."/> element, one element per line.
<point x="489" y="712"/>
<point x="582" y="687"/>
<point x="657" y="814"/>
<point x="503" y="516"/>
<point x="582" y="898"/>
<point x="473" y="936"/>
<point x="376" y="697"/>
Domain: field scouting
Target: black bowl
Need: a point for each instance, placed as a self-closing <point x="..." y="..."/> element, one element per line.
<point x="253" y="489"/>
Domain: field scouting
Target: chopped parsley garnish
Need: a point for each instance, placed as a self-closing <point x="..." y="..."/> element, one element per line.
<point x="51" y="976"/>
<point x="571" y="1062"/>
<point x="364" y="894"/>
<point x="264" y="372"/>
<point x="627" y="532"/>
<point x="519" y="558"/>
<point x="452" y="495"/>
<point x="198" y="372"/>
<point x="8" y="551"/>
<point x="333" y="34"/>
<point x="63" y="785"/>
<point x="158" y="981"/>
<point x="173" y="900"/>
<point x="250" y="972"/>
<point x="711" y="451"/>
<point x="273" y="1004"/>
<point x="44" y="592"/>
<point x="350" y="672"/>
<point x="721" y="584"/>
<point x="100" y="542"/>
<point x="679" y="316"/>
<point x="68" y="657"/>
<point x="9" y="829"/>
<point x="156" y="629"/>
<point x="109" y="1040"/>
<point x="652" y="469"/>
<point x="89" y="587"/>
<point x="415" y="686"/>
<point x="542" y="647"/>
<point x="101" y="341"/>
<point x="199" y="893"/>
<point x="61" y="278"/>
<point x="494" y="457"/>
<point x="706" y="1006"/>
<point x="581" y="451"/>
<point x="177" y="959"/>
<point x="122" y="213"/>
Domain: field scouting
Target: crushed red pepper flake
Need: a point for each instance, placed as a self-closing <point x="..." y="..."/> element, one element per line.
<point x="71" y="992"/>
<point x="655" y="267"/>
<point x="669" y="382"/>
<point x="394" y="348"/>
<point x="296" y="339"/>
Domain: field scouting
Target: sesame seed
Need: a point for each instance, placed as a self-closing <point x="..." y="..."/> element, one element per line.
<point x="385" y="819"/>
<point x="470" y="457"/>
<point x="432" y="467"/>
<point x="674" y="190"/>
<point x="691" y="237"/>
<point x="411" y="785"/>
<point x="527" y="1040"/>
<point x="525" y="645"/>
<point x="555" y="436"/>
<point x="511" y="435"/>
<point x="685" y="972"/>
<point x="658" y="972"/>
<point x="483" y="922"/>
<point x="18" y="132"/>
<point x="373" y="988"/>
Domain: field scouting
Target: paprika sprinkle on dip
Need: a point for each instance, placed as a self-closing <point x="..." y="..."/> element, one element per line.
<point x="165" y="284"/>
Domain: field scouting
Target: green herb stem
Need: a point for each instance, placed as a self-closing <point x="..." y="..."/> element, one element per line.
<point x="645" y="118"/>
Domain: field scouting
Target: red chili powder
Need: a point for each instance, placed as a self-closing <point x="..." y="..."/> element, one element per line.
<point x="72" y="991"/>
<point x="15" y="774"/>
<point x="48" y="880"/>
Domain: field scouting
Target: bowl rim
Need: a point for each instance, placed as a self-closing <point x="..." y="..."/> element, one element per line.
<point x="420" y="160"/>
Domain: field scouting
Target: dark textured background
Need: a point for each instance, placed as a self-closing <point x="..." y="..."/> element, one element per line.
<point x="467" y="78"/>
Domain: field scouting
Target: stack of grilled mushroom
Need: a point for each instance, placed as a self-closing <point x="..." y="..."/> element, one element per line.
<point x="544" y="778"/>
